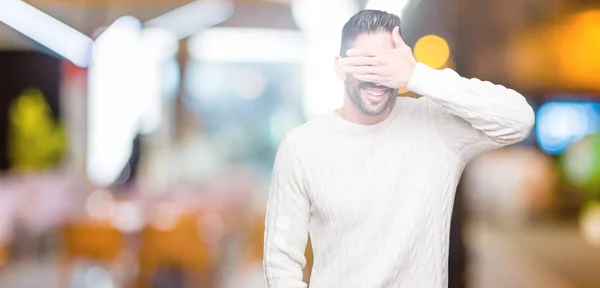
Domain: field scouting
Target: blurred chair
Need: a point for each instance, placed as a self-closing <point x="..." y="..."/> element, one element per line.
<point x="89" y="240"/>
<point x="7" y="280"/>
<point x="257" y="247"/>
<point x="3" y="255"/>
<point x="180" y="246"/>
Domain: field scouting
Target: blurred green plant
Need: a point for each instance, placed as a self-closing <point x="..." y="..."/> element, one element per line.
<point x="581" y="166"/>
<point x="36" y="141"/>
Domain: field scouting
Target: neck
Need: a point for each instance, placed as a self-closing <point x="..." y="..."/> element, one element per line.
<point x="352" y="114"/>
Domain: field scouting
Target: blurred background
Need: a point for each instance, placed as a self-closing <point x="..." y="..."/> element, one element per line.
<point x="137" y="136"/>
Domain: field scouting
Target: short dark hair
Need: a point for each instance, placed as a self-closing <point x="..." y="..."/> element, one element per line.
<point x="366" y="21"/>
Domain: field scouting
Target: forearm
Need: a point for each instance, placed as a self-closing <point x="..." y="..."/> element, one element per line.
<point x="502" y="114"/>
<point x="286" y="223"/>
<point x="283" y="265"/>
<point x="286" y="236"/>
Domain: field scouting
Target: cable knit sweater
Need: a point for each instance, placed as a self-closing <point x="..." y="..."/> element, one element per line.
<point x="377" y="199"/>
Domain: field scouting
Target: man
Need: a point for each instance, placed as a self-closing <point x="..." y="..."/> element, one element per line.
<point x="374" y="181"/>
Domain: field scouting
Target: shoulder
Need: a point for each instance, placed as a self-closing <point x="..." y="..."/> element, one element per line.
<point x="429" y="116"/>
<point x="307" y="137"/>
<point x="309" y="131"/>
<point x="421" y="106"/>
<point x="424" y="106"/>
<point x="412" y="102"/>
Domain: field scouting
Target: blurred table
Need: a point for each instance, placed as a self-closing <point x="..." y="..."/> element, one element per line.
<point x="548" y="255"/>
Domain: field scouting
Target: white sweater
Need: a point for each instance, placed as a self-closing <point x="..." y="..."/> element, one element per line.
<point x="377" y="199"/>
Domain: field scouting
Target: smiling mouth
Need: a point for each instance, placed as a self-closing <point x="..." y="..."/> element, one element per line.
<point x="376" y="94"/>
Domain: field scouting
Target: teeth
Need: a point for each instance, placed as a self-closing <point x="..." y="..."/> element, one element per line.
<point x="376" y="93"/>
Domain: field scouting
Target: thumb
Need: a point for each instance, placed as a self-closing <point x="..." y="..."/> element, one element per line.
<point x="397" y="38"/>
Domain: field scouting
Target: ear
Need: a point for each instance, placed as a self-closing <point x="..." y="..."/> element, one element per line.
<point x="338" y="68"/>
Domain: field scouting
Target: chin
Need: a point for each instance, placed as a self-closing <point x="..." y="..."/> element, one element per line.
<point x="371" y="108"/>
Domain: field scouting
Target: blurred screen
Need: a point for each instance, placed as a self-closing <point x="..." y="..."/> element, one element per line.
<point x="561" y="123"/>
<point x="246" y="108"/>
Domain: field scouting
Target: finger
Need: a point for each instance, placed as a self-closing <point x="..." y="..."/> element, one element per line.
<point x="398" y="41"/>
<point x="359" y="61"/>
<point x="368" y="78"/>
<point x="362" y="69"/>
<point x="362" y="52"/>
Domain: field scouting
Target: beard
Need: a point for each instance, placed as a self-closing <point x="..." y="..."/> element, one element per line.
<point x="356" y="91"/>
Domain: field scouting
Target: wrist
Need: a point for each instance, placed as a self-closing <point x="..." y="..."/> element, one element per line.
<point x="411" y="70"/>
<point x="413" y="66"/>
<point x="423" y="79"/>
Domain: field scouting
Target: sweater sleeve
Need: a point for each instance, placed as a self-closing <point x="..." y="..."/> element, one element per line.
<point x="286" y="223"/>
<point x="473" y="116"/>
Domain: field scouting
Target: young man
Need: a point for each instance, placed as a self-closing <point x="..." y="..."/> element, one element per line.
<point x="374" y="181"/>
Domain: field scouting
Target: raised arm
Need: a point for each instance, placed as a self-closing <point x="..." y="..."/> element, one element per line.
<point x="474" y="116"/>
<point x="286" y="223"/>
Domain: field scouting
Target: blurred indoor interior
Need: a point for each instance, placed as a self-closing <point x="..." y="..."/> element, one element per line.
<point x="137" y="136"/>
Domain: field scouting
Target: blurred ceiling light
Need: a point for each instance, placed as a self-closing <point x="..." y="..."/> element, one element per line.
<point x="391" y="6"/>
<point x="323" y="18"/>
<point x="124" y="24"/>
<point x="322" y="23"/>
<point x="156" y="47"/>
<point x="194" y="17"/>
<point x="46" y="30"/>
<point x="432" y="50"/>
<point x="247" y="45"/>
<point x="112" y="117"/>
<point x="160" y="43"/>
<point x="125" y="90"/>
